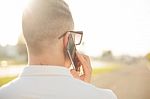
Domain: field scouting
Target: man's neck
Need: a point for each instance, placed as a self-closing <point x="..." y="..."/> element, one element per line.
<point x="55" y="60"/>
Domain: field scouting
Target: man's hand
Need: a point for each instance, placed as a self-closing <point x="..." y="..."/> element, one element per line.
<point x="84" y="62"/>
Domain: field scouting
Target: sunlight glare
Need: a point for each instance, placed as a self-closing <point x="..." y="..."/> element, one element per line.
<point x="10" y="21"/>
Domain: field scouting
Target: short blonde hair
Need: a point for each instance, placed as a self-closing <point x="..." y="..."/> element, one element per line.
<point x="44" y="20"/>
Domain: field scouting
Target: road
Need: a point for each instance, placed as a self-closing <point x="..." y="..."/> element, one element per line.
<point x="130" y="82"/>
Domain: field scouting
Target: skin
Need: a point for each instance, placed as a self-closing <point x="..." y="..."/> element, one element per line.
<point x="83" y="61"/>
<point x="51" y="53"/>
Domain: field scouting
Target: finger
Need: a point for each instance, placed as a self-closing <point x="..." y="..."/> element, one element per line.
<point x="87" y="58"/>
<point x="74" y="74"/>
<point x="85" y="61"/>
<point x="88" y="80"/>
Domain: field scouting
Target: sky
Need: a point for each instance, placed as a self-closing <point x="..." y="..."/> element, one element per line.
<point x="122" y="26"/>
<point x="10" y="21"/>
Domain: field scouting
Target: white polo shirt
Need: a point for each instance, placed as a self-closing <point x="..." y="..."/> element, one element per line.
<point x="51" y="82"/>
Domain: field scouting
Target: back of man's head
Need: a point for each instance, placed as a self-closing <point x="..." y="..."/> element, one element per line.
<point x="44" y="21"/>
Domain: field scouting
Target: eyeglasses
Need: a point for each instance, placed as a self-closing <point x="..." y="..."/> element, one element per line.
<point x="77" y="36"/>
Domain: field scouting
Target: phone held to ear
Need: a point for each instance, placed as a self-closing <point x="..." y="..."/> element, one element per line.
<point x="71" y="51"/>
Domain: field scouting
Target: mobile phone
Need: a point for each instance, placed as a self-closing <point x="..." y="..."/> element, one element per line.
<point x="71" y="51"/>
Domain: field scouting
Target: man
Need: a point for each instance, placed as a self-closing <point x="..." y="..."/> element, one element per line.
<point x="45" y="24"/>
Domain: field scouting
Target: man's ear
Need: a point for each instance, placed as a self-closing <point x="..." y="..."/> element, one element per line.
<point x="65" y="40"/>
<point x="67" y="60"/>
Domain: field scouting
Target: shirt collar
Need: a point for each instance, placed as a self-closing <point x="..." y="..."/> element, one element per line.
<point x="36" y="70"/>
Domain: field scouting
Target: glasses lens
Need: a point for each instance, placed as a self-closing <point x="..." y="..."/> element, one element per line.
<point x="77" y="38"/>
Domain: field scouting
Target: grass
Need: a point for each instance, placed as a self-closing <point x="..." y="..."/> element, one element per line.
<point x="105" y="69"/>
<point x="4" y="80"/>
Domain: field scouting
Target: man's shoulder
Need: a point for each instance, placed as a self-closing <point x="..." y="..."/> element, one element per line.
<point x="92" y="90"/>
<point x="76" y="88"/>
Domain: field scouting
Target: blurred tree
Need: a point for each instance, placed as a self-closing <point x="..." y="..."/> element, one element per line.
<point x="107" y="55"/>
<point x="21" y="47"/>
<point x="148" y="56"/>
<point x="2" y="53"/>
